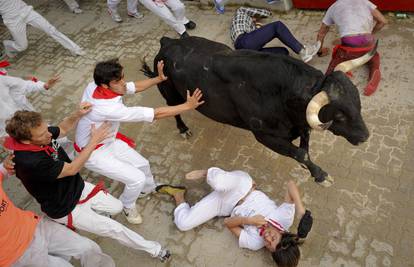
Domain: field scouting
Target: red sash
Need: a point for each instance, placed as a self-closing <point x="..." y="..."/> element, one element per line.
<point x="119" y="136"/>
<point x="100" y="186"/>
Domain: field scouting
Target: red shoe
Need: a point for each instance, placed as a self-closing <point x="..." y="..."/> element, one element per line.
<point x="373" y="83"/>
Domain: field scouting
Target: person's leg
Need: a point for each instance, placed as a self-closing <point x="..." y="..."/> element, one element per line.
<point x="73" y="6"/>
<point x="113" y="10"/>
<point x="18" y="32"/>
<point x="258" y="38"/>
<point x="105" y="162"/>
<point x="275" y="50"/>
<point x="132" y="6"/>
<point x="186" y="217"/>
<point x="113" y="4"/>
<point x="178" y="9"/>
<point x="84" y="218"/>
<point x="127" y="154"/>
<point x="37" y="21"/>
<point x="67" y="243"/>
<point x="102" y="201"/>
<point x="374" y="75"/>
<point x="165" y="14"/>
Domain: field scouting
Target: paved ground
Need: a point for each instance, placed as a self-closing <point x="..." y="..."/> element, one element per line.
<point x="365" y="219"/>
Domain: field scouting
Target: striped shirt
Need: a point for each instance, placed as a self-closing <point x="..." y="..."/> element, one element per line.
<point x="243" y="20"/>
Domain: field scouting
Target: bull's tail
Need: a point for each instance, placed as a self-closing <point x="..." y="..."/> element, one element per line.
<point x="147" y="70"/>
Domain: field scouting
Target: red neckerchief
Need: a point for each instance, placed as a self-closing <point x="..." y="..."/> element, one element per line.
<point x="13" y="144"/>
<point x="273" y="223"/>
<point x="4" y="64"/>
<point x="104" y="93"/>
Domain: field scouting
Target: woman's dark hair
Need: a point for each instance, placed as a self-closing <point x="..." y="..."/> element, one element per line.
<point x="19" y="126"/>
<point x="107" y="71"/>
<point x="287" y="253"/>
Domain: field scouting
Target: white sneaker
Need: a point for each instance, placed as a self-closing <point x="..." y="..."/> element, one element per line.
<point x="132" y="215"/>
<point x="115" y="16"/>
<point x="136" y="15"/>
<point x="308" y="51"/>
<point x="77" y="10"/>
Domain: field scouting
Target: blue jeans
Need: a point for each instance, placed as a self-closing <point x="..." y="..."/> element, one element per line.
<point x="258" y="38"/>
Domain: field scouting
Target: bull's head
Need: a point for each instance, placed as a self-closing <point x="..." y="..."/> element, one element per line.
<point x="337" y="107"/>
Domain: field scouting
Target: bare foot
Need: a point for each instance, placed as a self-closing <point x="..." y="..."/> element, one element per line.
<point x="197" y="174"/>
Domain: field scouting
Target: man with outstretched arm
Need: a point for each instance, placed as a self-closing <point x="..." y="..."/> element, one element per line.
<point x="54" y="180"/>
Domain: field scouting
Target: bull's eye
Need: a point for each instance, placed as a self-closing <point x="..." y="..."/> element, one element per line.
<point x="340" y="117"/>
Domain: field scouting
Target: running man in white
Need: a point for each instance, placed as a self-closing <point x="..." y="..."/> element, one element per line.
<point x="131" y="6"/>
<point x="114" y="157"/>
<point x="16" y="15"/>
<point x="13" y="91"/>
<point x="171" y="12"/>
<point x="255" y="219"/>
<point x="73" y="6"/>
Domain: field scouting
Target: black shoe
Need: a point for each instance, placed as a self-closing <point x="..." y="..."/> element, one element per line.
<point x="184" y="35"/>
<point x="190" y="25"/>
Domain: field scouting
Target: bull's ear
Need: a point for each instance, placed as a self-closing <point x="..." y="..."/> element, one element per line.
<point x="165" y="41"/>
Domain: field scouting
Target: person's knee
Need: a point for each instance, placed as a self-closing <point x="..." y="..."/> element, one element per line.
<point x="179" y="8"/>
<point x="21" y="45"/>
<point x="183" y="225"/>
<point x="86" y="246"/>
<point x="116" y="206"/>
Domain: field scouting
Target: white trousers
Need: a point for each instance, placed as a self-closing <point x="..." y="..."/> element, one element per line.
<point x="53" y="243"/>
<point x="85" y="218"/>
<point x="214" y="204"/>
<point x="17" y="29"/>
<point x="72" y="4"/>
<point x="120" y="162"/>
<point x="131" y="5"/>
<point x="172" y="13"/>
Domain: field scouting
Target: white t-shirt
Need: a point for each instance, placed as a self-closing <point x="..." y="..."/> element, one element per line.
<point x="111" y="110"/>
<point x="257" y="203"/>
<point x="351" y="16"/>
<point x="13" y="91"/>
<point x="13" y="10"/>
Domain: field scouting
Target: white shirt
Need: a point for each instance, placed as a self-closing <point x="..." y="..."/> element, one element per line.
<point x="257" y="203"/>
<point x="14" y="10"/>
<point x="111" y="110"/>
<point x="13" y="91"/>
<point x="351" y="16"/>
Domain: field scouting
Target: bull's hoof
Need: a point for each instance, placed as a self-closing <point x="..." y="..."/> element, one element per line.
<point x="327" y="182"/>
<point x="304" y="166"/>
<point x="187" y="134"/>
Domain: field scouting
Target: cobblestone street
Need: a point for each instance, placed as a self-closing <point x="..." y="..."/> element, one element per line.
<point x="365" y="219"/>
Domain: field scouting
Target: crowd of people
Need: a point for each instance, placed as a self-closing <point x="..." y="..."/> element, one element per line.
<point x="68" y="202"/>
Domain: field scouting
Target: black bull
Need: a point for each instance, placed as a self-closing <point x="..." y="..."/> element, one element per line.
<point x="264" y="93"/>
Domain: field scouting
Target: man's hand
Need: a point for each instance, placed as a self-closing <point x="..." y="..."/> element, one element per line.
<point x="51" y="82"/>
<point x="193" y="101"/>
<point x="257" y="220"/>
<point x="160" y="68"/>
<point x="8" y="164"/>
<point x="101" y="133"/>
<point x="324" y="51"/>
<point x="84" y="108"/>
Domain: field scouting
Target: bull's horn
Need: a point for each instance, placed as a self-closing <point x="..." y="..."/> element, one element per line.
<point x="312" y="110"/>
<point x="351" y="64"/>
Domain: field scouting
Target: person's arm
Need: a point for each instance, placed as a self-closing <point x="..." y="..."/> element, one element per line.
<point x="193" y="101"/>
<point x="293" y="196"/>
<point x="323" y="30"/>
<point x="145" y="84"/>
<point x="255" y="12"/>
<point x="235" y="224"/>
<point x="379" y="19"/>
<point x="97" y="136"/>
<point x="70" y="122"/>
